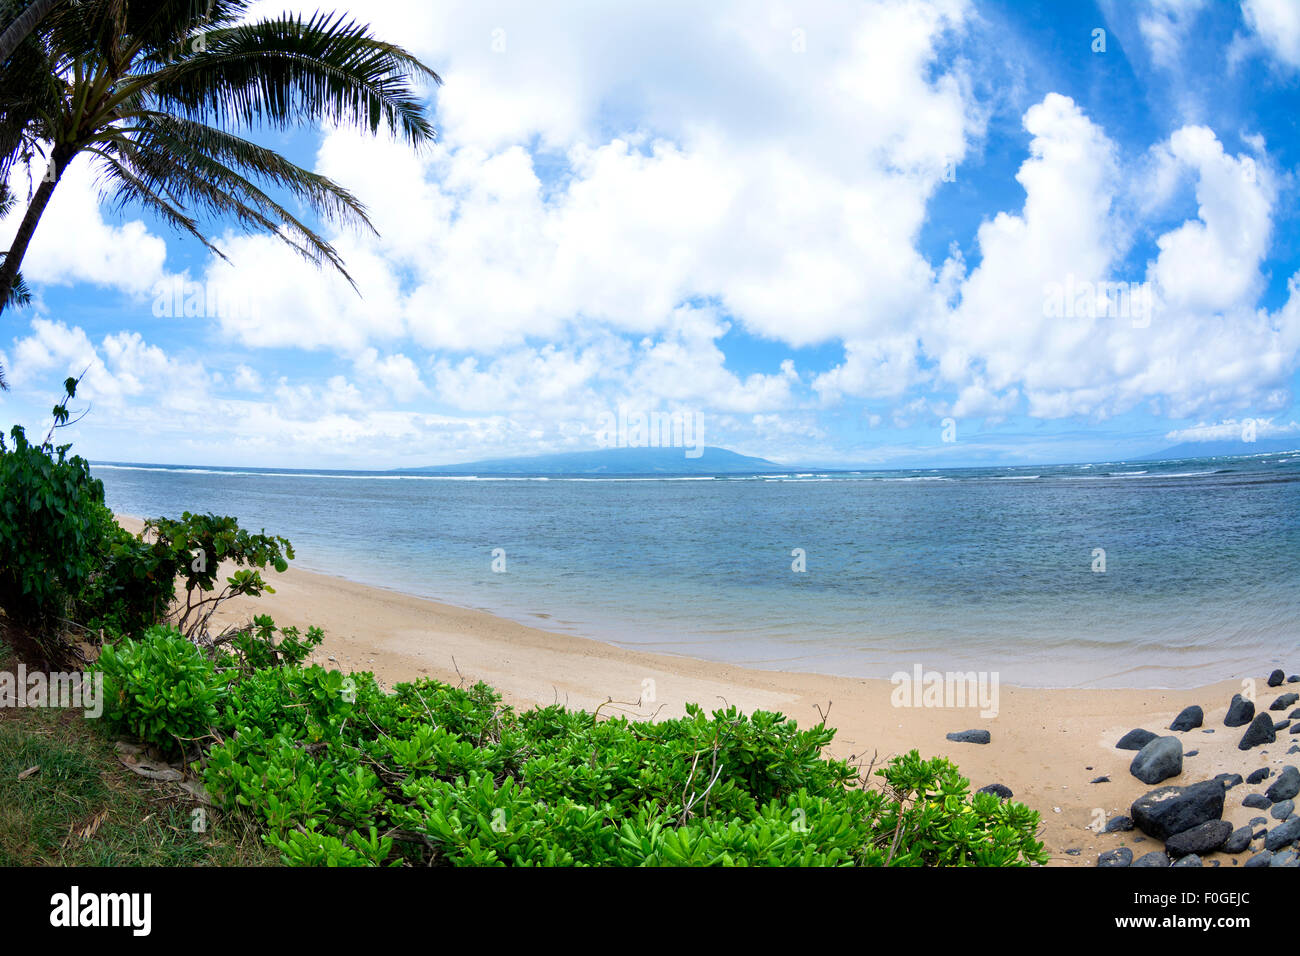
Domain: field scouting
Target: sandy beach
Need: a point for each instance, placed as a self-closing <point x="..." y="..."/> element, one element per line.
<point x="1047" y="745"/>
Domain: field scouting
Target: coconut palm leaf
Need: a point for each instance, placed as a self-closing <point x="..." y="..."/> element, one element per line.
<point x="159" y="94"/>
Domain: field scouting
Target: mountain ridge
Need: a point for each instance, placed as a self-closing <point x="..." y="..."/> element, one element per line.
<point x="712" y="460"/>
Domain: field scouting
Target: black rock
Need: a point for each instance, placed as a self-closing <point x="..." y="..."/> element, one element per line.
<point x="1154" y="858"/>
<point x="1206" y="838"/>
<point x="1283" y="702"/>
<point x="1281" y="811"/>
<point x="1294" y="715"/>
<point x="1207" y="730"/>
<point x="1285" y="858"/>
<point x="1190" y="860"/>
<point x="1286" y="786"/>
<point x="1229" y="780"/>
<point x="1293" y="679"/>
<point x="1258" y="776"/>
<point x="1280" y="725"/>
<point x="998" y="790"/>
<point x="1102" y="780"/>
<point x="1284" y="834"/>
<point x="1073" y="852"/>
<point x="1121" y="857"/>
<point x="1162" y="812"/>
<point x="975" y="737"/>
<point x="1238" y="840"/>
<point x="1191" y="753"/>
<point x="1258" y="821"/>
<point x="1256" y="801"/>
<point x="1135" y="739"/>
<point x="1275" y="679"/>
<point x="1118" y="825"/>
<point x="1259" y="834"/>
<point x="1190" y="718"/>
<point x="1260" y="859"/>
<point x="1240" y="712"/>
<point x="1259" y="732"/>
<point x="1159" y="760"/>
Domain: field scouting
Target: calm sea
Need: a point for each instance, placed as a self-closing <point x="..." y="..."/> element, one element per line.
<point x="970" y="569"/>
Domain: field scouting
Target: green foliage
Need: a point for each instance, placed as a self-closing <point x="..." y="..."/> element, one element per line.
<point x="160" y="689"/>
<point x="256" y="647"/>
<point x="50" y="513"/>
<point x="132" y="586"/>
<point x="341" y="774"/>
<point x="194" y="547"/>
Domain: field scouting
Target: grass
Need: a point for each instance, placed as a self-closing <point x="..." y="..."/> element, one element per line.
<point x="83" y="808"/>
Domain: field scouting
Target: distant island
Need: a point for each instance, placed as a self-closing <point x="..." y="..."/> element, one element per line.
<point x="722" y="461"/>
<point x="613" y="461"/>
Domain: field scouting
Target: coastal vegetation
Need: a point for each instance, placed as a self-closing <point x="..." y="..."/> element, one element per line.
<point x="331" y="769"/>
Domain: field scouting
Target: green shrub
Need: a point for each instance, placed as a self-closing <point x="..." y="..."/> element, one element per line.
<point x="133" y="582"/>
<point x="194" y="547"/>
<point x="332" y="768"/>
<point x="50" y="513"/>
<point x="131" y="587"/>
<point x="160" y="689"/>
<point x="256" y="648"/>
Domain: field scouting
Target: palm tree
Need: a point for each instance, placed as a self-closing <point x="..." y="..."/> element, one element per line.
<point x="155" y="91"/>
<point x="19" y="26"/>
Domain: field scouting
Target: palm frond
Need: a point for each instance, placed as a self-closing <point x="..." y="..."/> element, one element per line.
<point x="174" y="172"/>
<point x="288" y="71"/>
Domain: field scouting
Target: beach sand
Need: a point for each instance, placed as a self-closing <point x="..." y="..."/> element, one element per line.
<point x="1047" y="744"/>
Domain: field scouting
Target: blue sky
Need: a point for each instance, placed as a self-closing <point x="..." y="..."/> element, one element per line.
<point x="827" y="230"/>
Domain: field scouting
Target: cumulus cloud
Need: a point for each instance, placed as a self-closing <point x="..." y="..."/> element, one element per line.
<point x="75" y="243"/>
<point x="1275" y="24"/>
<point x="800" y="221"/>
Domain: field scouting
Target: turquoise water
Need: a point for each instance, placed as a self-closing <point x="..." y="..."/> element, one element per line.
<point x="971" y="569"/>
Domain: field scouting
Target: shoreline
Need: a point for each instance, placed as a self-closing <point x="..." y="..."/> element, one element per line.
<point x="1048" y="744"/>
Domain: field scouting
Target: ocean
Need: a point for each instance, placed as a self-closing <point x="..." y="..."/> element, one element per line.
<point x="1145" y="574"/>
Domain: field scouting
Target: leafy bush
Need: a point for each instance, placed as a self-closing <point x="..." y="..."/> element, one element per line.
<point x="255" y="647"/>
<point x="160" y="689"/>
<point x="134" y="582"/>
<point x="340" y="773"/>
<point x="131" y="587"/>
<point x="194" y="546"/>
<point x="50" y="512"/>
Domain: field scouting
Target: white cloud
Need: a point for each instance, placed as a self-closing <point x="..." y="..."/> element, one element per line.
<point x="121" y="368"/>
<point x="1276" y="25"/>
<point x="395" y="373"/>
<point x="247" y="379"/>
<point x="800" y="219"/>
<point x="1203" y="344"/>
<point x="74" y="243"/>
<point x="1164" y="25"/>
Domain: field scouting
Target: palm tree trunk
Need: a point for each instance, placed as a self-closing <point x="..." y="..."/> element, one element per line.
<point x="14" y="257"/>
<point x="23" y="25"/>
